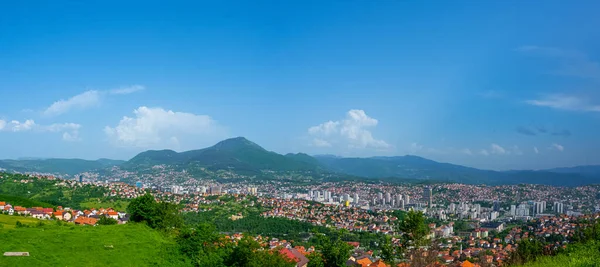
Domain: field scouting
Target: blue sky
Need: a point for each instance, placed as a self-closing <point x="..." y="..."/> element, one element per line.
<point x="505" y="85"/>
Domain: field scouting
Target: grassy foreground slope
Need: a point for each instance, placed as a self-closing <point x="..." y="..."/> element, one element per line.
<point x="580" y="255"/>
<point x="73" y="245"/>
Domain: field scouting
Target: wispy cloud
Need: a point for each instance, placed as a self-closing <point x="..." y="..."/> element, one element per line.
<point x="126" y="90"/>
<point x="497" y="149"/>
<point x="563" y="133"/>
<point x="526" y="131"/>
<point x="558" y="147"/>
<point x="534" y="131"/>
<point x="86" y="100"/>
<point x="565" y="102"/>
<point x="81" y="101"/>
<point x="535" y="150"/>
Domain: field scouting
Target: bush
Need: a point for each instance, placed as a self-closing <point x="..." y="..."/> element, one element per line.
<point x="107" y="221"/>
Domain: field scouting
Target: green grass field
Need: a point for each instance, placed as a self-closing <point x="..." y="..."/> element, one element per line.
<point x="74" y="245"/>
<point x="119" y="205"/>
<point x="10" y="222"/>
<point x="582" y="255"/>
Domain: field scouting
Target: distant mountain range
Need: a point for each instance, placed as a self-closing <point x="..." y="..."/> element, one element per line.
<point x="58" y="166"/>
<point x="239" y="155"/>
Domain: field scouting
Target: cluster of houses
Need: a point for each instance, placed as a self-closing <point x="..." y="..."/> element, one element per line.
<point x="83" y="217"/>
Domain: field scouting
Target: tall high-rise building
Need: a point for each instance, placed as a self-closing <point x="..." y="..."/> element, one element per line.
<point x="401" y="204"/>
<point x="539" y="207"/>
<point x="388" y="197"/>
<point x="380" y="196"/>
<point x="428" y="195"/>
<point x="355" y="198"/>
<point x="496" y="205"/>
<point x="398" y="198"/>
<point x="215" y="190"/>
<point x="513" y="210"/>
<point x="252" y="190"/>
<point x="558" y="207"/>
<point x="406" y="199"/>
<point x="81" y="178"/>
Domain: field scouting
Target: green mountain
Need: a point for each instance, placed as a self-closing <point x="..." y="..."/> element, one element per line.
<point x="391" y="168"/>
<point x="237" y="154"/>
<point x="58" y="166"/>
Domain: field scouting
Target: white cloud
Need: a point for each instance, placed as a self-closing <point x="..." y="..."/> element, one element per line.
<point x="558" y="147"/>
<point x="415" y="147"/>
<point x="535" y="149"/>
<point x="160" y="128"/>
<point x="484" y="152"/>
<point x="17" y="126"/>
<point x="87" y="99"/>
<point x="81" y="101"/>
<point x="71" y="137"/>
<point x="70" y="130"/>
<point x="565" y="102"/>
<point x="497" y="149"/>
<point x="467" y="151"/>
<point x="351" y="132"/>
<point x="320" y="143"/>
<point x="126" y="90"/>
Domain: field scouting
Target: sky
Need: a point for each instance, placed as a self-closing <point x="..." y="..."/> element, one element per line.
<point x="488" y="84"/>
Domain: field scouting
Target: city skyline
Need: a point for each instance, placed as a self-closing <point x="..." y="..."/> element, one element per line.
<point x="484" y="85"/>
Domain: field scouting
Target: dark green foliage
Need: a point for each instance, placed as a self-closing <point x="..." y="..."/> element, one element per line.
<point x="413" y="229"/>
<point x="335" y="251"/>
<point x="45" y="193"/>
<point x="107" y="221"/>
<point x="315" y="259"/>
<point x="254" y="224"/>
<point x="388" y="253"/>
<point x="527" y="250"/>
<point x="158" y="215"/>
<point x="24" y="202"/>
<point x="205" y="247"/>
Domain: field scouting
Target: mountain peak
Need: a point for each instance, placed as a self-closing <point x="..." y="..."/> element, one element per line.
<point x="236" y="143"/>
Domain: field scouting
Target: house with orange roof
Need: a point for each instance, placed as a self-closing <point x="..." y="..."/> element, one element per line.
<point x="85" y="221"/>
<point x="468" y="264"/>
<point x="378" y="263"/>
<point x="364" y="262"/>
<point x="58" y="215"/>
<point x="295" y="256"/>
<point x="113" y="214"/>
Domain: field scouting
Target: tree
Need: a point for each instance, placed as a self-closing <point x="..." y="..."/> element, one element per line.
<point x="107" y="221"/>
<point x="335" y="251"/>
<point x="315" y="259"/>
<point x="163" y="215"/>
<point x="387" y="250"/>
<point x="413" y="228"/>
<point x="142" y="209"/>
<point x="527" y="250"/>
